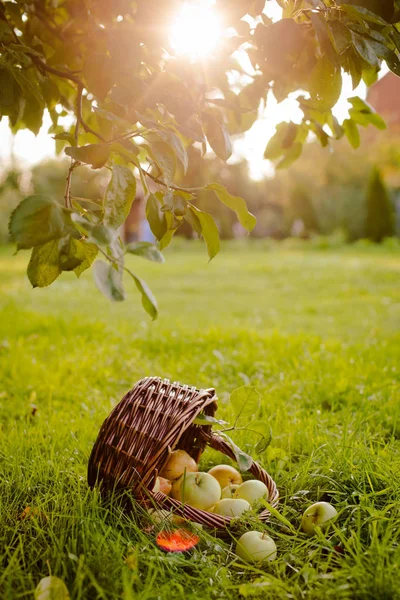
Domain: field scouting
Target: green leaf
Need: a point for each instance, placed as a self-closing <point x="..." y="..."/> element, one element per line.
<point x="291" y="156"/>
<point x="203" y="419"/>
<point x="109" y="116"/>
<point x="166" y="238"/>
<point x="32" y="116"/>
<point x="362" y="14"/>
<point x="109" y="280"/>
<point x="148" y="300"/>
<point x="146" y="250"/>
<point x="51" y="588"/>
<point x="283" y="137"/>
<point x="217" y="136"/>
<point x="65" y="137"/>
<point x="264" y="429"/>
<point x="99" y="74"/>
<point x="72" y="254"/>
<point x="37" y="220"/>
<point x="6" y="34"/>
<point x="352" y="133"/>
<point x="209" y="230"/>
<point x="245" y="401"/>
<point x="156" y="218"/>
<point x="7" y="88"/>
<point x="321" y="29"/>
<point x="393" y="63"/>
<point x="129" y="152"/>
<point x="243" y="460"/>
<point x="363" y="114"/>
<point x="95" y="155"/>
<point x="325" y="84"/>
<point x="44" y="266"/>
<point x="370" y="75"/>
<point x="364" y="49"/>
<point x="175" y="143"/>
<point x="96" y="232"/>
<point x="355" y="66"/>
<point x="235" y="203"/>
<point x="165" y="159"/>
<point x="193" y="221"/>
<point x="119" y="196"/>
<point x="90" y="252"/>
<point x="340" y="36"/>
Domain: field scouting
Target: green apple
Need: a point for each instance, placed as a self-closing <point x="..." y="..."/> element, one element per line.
<point x="226" y="475"/>
<point x="178" y="463"/>
<point x="199" y="490"/>
<point x="231" y="507"/>
<point x="256" y="547"/>
<point x="159" y="516"/>
<point x="320" y="515"/>
<point x="252" y="491"/>
<point x="229" y="491"/>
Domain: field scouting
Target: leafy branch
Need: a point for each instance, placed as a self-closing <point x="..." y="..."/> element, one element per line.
<point x="144" y="109"/>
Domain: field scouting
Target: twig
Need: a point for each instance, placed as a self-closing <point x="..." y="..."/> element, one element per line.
<point x="173" y="187"/>
<point x="64" y="74"/>
<point x="78" y="112"/>
<point x="67" y="196"/>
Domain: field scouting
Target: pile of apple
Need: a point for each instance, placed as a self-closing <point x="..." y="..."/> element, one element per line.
<point x="222" y="491"/>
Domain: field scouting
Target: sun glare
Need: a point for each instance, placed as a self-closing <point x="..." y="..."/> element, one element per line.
<point x="196" y="30"/>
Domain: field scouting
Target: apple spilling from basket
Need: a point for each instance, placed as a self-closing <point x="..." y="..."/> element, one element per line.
<point x="223" y="492"/>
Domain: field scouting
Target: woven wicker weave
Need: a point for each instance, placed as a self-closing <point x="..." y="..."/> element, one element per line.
<point x="135" y="441"/>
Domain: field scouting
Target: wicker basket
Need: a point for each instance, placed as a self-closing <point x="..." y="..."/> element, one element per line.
<point x="135" y="441"/>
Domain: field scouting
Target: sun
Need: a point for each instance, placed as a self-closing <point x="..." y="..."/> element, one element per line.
<point x="196" y="30"/>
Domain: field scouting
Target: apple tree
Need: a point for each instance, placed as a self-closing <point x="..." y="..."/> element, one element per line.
<point x="136" y="108"/>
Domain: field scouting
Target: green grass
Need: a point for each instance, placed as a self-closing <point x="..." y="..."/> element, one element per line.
<point x="316" y="331"/>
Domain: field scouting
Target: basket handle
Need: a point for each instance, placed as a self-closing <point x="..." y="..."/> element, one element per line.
<point x="218" y="443"/>
<point x="210" y="519"/>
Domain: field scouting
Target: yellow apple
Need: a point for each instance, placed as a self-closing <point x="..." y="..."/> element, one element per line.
<point x="230" y="507"/>
<point x="226" y="475"/>
<point x="229" y="491"/>
<point x="252" y="491"/>
<point x="156" y="487"/>
<point x="318" y="515"/>
<point x="179" y="461"/>
<point x="256" y="547"/>
<point x="199" y="490"/>
<point x="165" y="485"/>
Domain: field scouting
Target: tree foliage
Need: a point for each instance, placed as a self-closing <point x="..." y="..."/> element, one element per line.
<point x="380" y="210"/>
<point x="138" y="108"/>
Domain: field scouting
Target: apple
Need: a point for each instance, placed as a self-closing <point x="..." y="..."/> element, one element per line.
<point x="320" y="515"/>
<point x="156" y="487"/>
<point x="255" y="547"/>
<point x="199" y="490"/>
<point x="230" y="507"/>
<point x="252" y="491"/>
<point x="162" y="515"/>
<point x="226" y="475"/>
<point x="178" y="462"/>
<point x="229" y="491"/>
<point x="165" y="485"/>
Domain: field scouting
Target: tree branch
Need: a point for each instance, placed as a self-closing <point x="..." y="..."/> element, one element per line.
<point x="173" y="187"/>
<point x="64" y="74"/>
<point x="67" y="196"/>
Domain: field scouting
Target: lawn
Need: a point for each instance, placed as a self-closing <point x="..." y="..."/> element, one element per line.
<point x="316" y="331"/>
